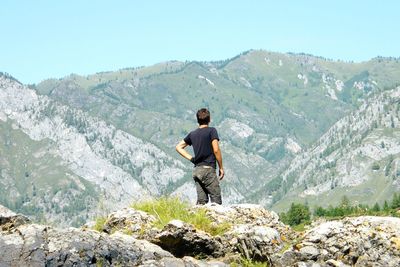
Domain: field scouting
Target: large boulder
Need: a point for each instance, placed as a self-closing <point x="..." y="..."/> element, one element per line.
<point x="255" y="234"/>
<point x="9" y="219"/>
<point x="360" y="241"/>
<point x="182" y="239"/>
<point x="137" y="223"/>
<point x="240" y="213"/>
<point x="37" y="245"/>
<point x="253" y="241"/>
<point x="248" y="214"/>
<point x="183" y="262"/>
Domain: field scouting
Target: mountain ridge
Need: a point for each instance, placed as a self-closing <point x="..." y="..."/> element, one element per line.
<point x="268" y="108"/>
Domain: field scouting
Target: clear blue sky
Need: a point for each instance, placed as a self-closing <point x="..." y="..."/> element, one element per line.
<point x="43" y="39"/>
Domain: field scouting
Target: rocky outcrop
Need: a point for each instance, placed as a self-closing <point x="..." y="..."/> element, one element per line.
<point x="130" y="239"/>
<point x="36" y="245"/>
<point x="254" y="242"/>
<point x="135" y="222"/>
<point x="361" y="241"/>
<point x="26" y="244"/>
<point x="9" y="219"/>
<point x="182" y="239"/>
<point x="255" y="233"/>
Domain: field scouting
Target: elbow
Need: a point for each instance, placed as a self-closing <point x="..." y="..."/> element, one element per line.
<point x="178" y="148"/>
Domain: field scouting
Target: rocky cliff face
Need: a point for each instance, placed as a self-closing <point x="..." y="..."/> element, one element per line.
<point x="362" y="241"/>
<point x="117" y="165"/>
<point x="128" y="239"/>
<point x="359" y="153"/>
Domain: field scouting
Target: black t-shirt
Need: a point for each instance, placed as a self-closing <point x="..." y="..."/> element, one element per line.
<point x="201" y="139"/>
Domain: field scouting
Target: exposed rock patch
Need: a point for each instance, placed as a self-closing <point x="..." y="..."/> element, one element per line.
<point x="9" y="219"/>
<point x="182" y="239"/>
<point x="255" y="234"/>
<point x="135" y="222"/>
<point x="38" y="245"/>
<point x="361" y="241"/>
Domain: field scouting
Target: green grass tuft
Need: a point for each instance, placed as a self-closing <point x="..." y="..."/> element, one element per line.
<point x="100" y="221"/>
<point x="243" y="262"/>
<point x="166" y="209"/>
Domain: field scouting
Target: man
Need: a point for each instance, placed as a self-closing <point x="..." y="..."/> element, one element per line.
<point x="206" y="153"/>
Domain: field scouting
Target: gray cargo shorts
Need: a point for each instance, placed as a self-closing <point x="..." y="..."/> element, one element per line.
<point x="207" y="185"/>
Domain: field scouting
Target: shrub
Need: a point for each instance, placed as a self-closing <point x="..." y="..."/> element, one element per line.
<point x="375" y="166"/>
<point x="297" y="214"/>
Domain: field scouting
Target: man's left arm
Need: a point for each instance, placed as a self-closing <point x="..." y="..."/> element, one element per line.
<point x="218" y="157"/>
<point x="180" y="148"/>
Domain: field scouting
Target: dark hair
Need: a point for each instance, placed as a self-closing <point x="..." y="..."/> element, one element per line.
<point x="203" y="116"/>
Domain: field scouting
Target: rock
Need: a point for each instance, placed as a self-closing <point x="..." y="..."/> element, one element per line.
<point x="256" y="234"/>
<point x="253" y="242"/>
<point x="35" y="245"/>
<point x="288" y="258"/>
<point x="9" y="219"/>
<point x="182" y="239"/>
<point x="250" y="214"/>
<point x="336" y="263"/>
<point x="360" y="241"/>
<point x="241" y="213"/>
<point x="135" y="222"/>
<point x="184" y="262"/>
<point x="310" y="252"/>
<point x="307" y="264"/>
<point x="189" y="261"/>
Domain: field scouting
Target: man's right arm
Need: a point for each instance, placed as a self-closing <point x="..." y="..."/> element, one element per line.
<point x="180" y="148"/>
<point x="218" y="156"/>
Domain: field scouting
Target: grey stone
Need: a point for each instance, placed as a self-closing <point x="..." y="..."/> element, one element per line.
<point x="182" y="239"/>
<point x="254" y="242"/>
<point x="35" y="245"/>
<point x="360" y="241"/>
<point x="309" y="252"/>
<point x="9" y="219"/>
<point x="335" y="263"/>
<point x="137" y="223"/>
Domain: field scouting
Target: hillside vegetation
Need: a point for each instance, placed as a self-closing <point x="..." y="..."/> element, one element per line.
<point x="293" y="127"/>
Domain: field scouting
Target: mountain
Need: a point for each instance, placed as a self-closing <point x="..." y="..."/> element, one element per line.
<point x="82" y="144"/>
<point x="357" y="157"/>
<point x="59" y="163"/>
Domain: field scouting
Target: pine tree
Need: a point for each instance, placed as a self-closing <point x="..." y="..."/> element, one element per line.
<point x="386" y="206"/>
<point x="376" y="207"/>
<point x="297" y="214"/>
<point x="396" y="201"/>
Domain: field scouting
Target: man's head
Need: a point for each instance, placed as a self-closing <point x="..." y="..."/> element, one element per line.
<point x="203" y="116"/>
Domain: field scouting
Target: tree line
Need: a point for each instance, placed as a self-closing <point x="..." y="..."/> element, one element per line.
<point x="300" y="213"/>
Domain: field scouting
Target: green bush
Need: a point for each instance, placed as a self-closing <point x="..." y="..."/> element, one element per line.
<point x="297" y="214"/>
<point x="375" y="166"/>
<point x="166" y="209"/>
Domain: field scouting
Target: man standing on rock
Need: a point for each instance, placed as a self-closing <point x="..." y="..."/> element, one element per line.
<point x="206" y="153"/>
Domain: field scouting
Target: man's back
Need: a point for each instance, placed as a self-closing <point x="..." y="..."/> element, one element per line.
<point x="201" y="140"/>
<point x="206" y="149"/>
